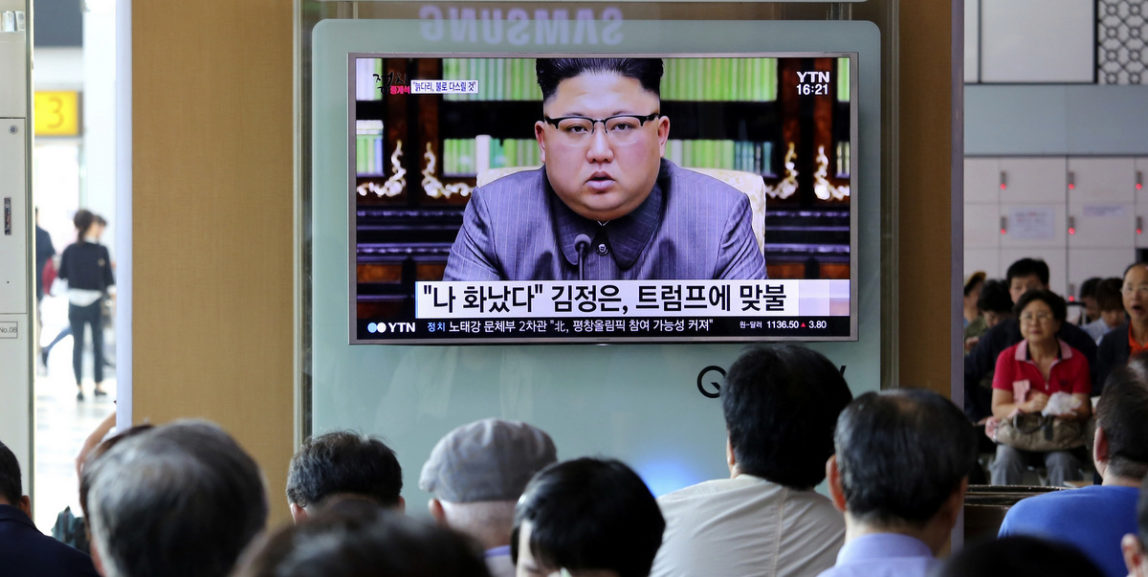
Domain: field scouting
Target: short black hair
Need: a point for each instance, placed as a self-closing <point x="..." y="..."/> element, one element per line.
<point x="1121" y="413"/>
<point x="590" y="514"/>
<point x="11" y="486"/>
<point x="995" y="297"/>
<point x="179" y="500"/>
<point x="344" y="462"/>
<point x="1055" y="303"/>
<point x="358" y="538"/>
<point x="1108" y="295"/>
<point x="1028" y="267"/>
<point x="901" y="454"/>
<point x="780" y="405"/>
<point x="1018" y="555"/>
<point x="552" y="71"/>
<point x="1088" y="287"/>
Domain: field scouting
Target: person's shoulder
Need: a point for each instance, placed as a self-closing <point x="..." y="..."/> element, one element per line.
<point x="1114" y="339"/>
<point x="50" y="556"/>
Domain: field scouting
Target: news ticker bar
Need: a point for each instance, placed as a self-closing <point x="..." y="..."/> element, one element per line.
<point x="632" y="298"/>
<point x="591" y="329"/>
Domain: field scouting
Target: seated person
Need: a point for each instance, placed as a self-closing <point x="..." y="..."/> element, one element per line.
<point x="586" y="518"/>
<point x="476" y="473"/>
<point x="1087" y="298"/>
<point x="355" y="537"/>
<point x="1028" y="374"/>
<point x="1135" y="545"/>
<point x="1018" y="557"/>
<point x="180" y="500"/>
<point x="1095" y="518"/>
<point x="900" y="476"/>
<point x="995" y="306"/>
<point x="605" y="205"/>
<point x="1110" y="308"/>
<point x="780" y="405"/>
<point x="340" y="463"/>
<point x="24" y="550"/>
<point x="973" y="285"/>
<point x="1023" y="275"/>
<point x="1131" y="337"/>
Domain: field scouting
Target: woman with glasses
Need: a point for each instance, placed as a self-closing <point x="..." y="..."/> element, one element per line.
<point x="1131" y="337"/>
<point x="1027" y="375"/>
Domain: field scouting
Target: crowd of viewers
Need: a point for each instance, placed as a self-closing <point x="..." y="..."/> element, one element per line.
<point x="185" y="499"/>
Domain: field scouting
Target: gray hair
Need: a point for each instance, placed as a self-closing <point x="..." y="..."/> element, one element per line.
<point x="180" y="500"/>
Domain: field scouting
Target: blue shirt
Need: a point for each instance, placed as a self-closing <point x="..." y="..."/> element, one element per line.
<point x="883" y="555"/>
<point x="1094" y="519"/>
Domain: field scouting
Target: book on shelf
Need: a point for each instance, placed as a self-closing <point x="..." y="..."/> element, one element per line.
<point x="369" y="147"/>
<point x="724" y="154"/>
<point x="498" y="78"/>
<point x="366" y="87"/>
<point x="719" y="79"/>
<point x="470" y="156"/>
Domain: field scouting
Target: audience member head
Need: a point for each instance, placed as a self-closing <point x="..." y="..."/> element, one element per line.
<point x="1041" y="314"/>
<point x="1018" y="556"/>
<point x="179" y="500"/>
<point x="1110" y="302"/>
<point x="973" y="285"/>
<point x="586" y="515"/>
<point x="343" y="462"/>
<point x="1088" y="298"/>
<point x="1135" y="292"/>
<point x="1024" y="275"/>
<point x="780" y="405"/>
<point x="11" y="485"/>
<point x="96" y="453"/>
<point x="995" y="303"/>
<point x="478" y="471"/>
<point x="902" y="464"/>
<point x="1135" y="547"/>
<point x="356" y="537"/>
<point x="1120" y="446"/>
<point x="84" y="219"/>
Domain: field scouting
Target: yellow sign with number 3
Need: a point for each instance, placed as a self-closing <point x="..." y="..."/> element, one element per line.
<point x="57" y="113"/>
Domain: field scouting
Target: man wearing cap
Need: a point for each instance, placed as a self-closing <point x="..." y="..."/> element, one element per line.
<point x="476" y="474"/>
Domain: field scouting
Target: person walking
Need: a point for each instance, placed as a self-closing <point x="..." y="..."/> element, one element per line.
<point x="87" y="266"/>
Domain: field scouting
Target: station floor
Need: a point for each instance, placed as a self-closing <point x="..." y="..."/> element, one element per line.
<point x="61" y="421"/>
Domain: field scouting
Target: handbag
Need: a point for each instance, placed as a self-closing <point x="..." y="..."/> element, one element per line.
<point x="1040" y="433"/>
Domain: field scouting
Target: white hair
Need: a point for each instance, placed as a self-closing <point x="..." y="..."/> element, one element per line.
<point x="489" y="522"/>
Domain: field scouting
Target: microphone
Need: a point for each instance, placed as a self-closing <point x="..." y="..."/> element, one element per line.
<point x="580" y="243"/>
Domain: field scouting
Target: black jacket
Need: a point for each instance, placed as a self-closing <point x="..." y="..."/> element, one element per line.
<point x="87" y="266"/>
<point x="982" y="361"/>
<point x="1112" y="353"/>
<point x="26" y="552"/>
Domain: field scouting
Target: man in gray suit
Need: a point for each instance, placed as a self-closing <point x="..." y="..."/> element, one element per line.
<point x="605" y="205"/>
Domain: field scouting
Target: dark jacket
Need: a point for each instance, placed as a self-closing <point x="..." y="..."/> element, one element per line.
<point x="26" y="552"/>
<point x="982" y="361"/>
<point x="87" y="266"/>
<point x="1112" y="353"/>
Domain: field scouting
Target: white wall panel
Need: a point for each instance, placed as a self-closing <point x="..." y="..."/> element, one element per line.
<point x="1043" y="41"/>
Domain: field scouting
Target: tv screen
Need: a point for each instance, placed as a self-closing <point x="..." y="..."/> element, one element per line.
<point x="604" y="199"/>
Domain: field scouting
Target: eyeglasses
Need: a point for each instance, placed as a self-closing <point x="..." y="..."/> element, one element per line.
<point x="1129" y="289"/>
<point x="1035" y="317"/>
<point x="620" y="129"/>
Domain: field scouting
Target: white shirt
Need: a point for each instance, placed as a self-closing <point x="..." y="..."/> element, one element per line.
<point x="747" y="527"/>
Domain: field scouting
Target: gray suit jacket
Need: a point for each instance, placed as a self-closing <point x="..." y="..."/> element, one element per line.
<point x="691" y="226"/>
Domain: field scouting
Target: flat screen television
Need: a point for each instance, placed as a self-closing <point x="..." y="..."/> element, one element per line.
<point x="468" y="224"/>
